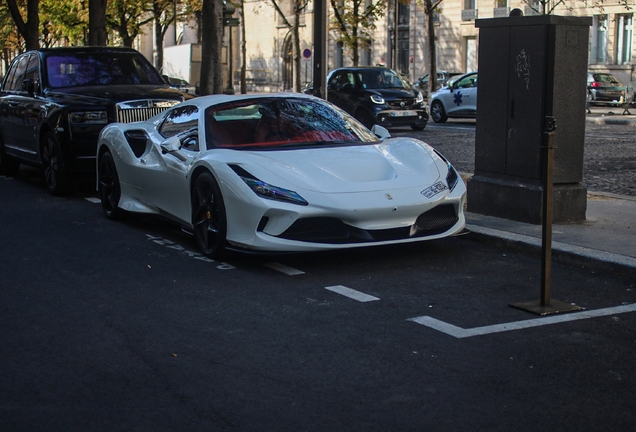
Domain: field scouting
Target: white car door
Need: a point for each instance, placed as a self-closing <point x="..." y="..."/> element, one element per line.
<point x="164" y="180"/>
<point x="461" y="101"/>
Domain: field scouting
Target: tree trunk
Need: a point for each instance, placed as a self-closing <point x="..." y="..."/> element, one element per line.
<point x="296" y="48"/>
<point x="29" y="30"/>
<point x="430" y="26"/>
<point x="211" y="81"/>
<point x="243" y="50"/>
<point x="97" y="34"/>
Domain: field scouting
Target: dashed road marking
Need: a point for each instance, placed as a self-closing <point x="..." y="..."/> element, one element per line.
<point x="353" y="294"/>
<point x="461" y="333"/>
<point x="283" y="269"/>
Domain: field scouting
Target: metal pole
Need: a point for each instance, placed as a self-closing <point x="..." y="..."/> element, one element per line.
<point x="547" y="210"/>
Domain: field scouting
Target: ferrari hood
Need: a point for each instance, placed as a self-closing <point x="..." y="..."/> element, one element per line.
<point x="393" y="164"/>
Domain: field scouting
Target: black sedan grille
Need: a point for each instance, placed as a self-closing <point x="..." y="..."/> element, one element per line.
<point x="331" y="230"/>
<point x="141" y="110"/>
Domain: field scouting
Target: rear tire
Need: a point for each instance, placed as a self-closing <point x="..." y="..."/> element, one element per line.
<point x="438" y="114"/>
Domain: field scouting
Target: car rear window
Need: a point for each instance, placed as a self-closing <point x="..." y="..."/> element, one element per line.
<point x="97" y="69"/>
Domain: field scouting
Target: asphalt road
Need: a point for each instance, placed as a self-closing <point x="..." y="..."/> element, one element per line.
<point x="123" y="326"/>
<point x="609" y="152"/>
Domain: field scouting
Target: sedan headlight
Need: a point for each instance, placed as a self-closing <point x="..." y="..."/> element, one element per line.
<point x="88" y="117"/>
<point x="377" y="99"/>
<point x="419" y="98"/>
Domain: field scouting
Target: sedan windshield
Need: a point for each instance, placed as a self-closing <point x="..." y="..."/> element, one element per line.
<point x="97" y="69"/>
<point x="282" y="122"/>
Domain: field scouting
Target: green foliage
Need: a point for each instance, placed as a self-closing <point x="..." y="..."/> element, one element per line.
<point x="354" y="22"/>
<point x="65" y="21"/>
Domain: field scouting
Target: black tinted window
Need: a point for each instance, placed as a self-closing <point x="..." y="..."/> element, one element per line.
<point x="16" y="74"/>
<point x="89" y="69"/>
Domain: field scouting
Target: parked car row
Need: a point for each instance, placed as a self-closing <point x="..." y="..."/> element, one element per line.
<point x="255" y="173"/>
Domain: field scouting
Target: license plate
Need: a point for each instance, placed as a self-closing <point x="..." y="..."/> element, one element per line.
<point x="406" y="113"/>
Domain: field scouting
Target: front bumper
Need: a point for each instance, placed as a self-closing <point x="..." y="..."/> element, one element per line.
<point x="393" y="118"/>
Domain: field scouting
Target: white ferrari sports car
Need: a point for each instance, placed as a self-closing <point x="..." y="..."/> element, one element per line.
<point x="277" y="173"/>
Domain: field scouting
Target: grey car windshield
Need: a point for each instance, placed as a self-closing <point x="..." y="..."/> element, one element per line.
<point x="97" y="69"/>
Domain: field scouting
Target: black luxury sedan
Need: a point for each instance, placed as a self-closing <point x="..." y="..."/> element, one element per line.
<point x="377" y="95"/>
<point x="54" y="103"/>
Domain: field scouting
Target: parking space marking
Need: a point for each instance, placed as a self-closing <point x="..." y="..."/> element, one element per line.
<point x="351" y="293"/>
<point x="93" y="200"/>
<point x="283" y="269"/>
<point x="461" y="333"/>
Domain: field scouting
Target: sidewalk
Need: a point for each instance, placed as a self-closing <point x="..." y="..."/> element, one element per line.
<point x="605" y="241"/>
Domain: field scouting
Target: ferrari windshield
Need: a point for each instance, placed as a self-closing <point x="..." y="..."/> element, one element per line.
<point x="98" y="69"/>
<point x="281" y="122"/>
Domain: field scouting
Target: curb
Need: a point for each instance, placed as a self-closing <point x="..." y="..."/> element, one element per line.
<point x="561" y="252"/>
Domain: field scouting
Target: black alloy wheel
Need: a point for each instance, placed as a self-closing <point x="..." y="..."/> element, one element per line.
<point x="56" y="176"/>
<point x="109" y="187"/>
<point x="208" y="216"/>
<point x="438" y="113"/>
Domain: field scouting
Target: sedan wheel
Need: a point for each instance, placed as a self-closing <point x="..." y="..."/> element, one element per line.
<point x="56" y="177"/>
<point x="438" y="113"/>
<point x="208" y="216"/>
<point x="109" y="187"/>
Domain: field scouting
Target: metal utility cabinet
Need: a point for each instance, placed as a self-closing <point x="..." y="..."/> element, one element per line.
<point x="530" y="69"/>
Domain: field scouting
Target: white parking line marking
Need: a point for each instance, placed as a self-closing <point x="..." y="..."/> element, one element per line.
<point x="93" y="200"/>
<point x="283" y="269"/>
<point x="461" y="333"/>
<point x="353" y="294"/>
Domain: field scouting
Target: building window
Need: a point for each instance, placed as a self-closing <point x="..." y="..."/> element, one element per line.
<point x="469" y="12"/>
<point x="598" y="47"/>
<point x="624" y="34"/>
<point x="501" y="9"/>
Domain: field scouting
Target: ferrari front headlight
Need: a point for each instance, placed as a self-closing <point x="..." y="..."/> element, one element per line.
<point x="275" y="193"/>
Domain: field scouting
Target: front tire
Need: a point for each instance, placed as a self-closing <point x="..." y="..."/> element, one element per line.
<point x="438" y="113"/>
<point x="208" y="216"/>
<point x="57" y="178"/>
<point x="109" y="187"/>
